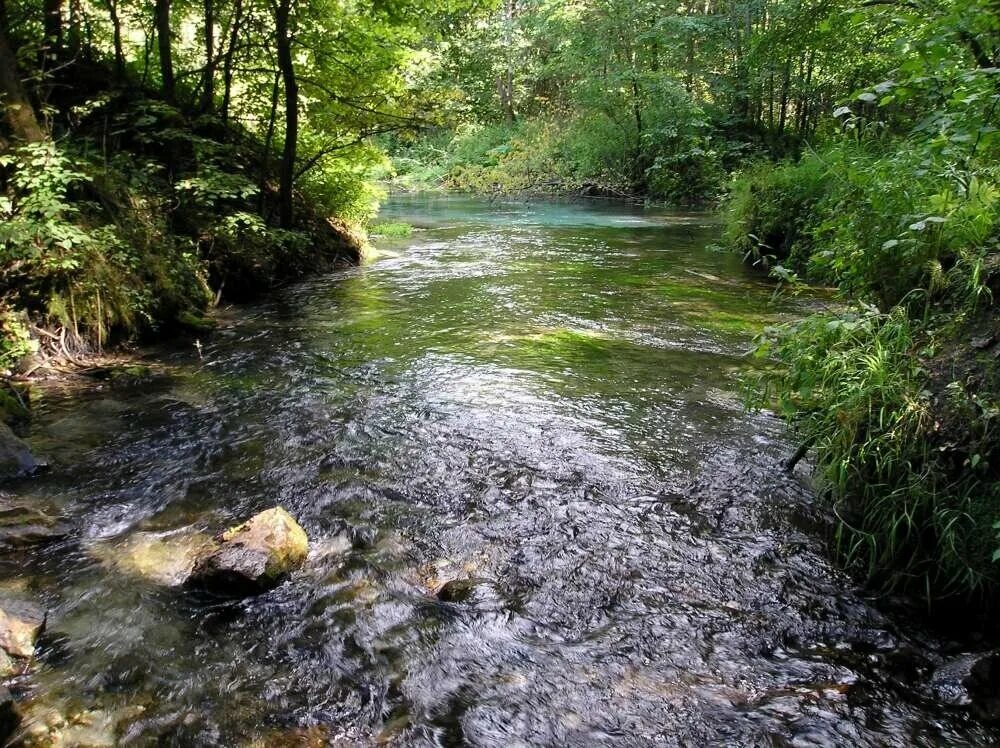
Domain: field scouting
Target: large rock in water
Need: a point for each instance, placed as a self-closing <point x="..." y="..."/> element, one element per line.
<point x="20" y="625"/>
<point x="253" y="557"/>
<point x="972" y="681"/>
<point x="15" y="457"/>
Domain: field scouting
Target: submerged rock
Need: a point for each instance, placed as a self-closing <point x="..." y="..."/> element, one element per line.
<point x="971" y="680"/>
<point x="253" y="557"/>
<point x="20" y="626"/>
<point x="58" y="726"/>
<point x="15" y="457"/>
<point x="160" y="557"/>
<point x="22" y="525"/>
<point x="10" y="718"/>
<point x="477" y="593"/>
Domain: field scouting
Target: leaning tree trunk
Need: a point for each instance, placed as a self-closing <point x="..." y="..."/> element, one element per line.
<point x="286" y="174"/>
<point x="162" y="21"/>
<point x="19" y="112"/>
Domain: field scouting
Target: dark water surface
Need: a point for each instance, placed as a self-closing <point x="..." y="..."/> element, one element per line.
<point x="539" y="399"/>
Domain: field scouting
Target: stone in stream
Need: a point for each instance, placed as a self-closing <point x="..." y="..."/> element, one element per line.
<point x="165" y="558"/>
<point x="971" y="680"/>
<point x="22" y="524"/>
<point x="253" y="557"/>
<point x="20" y="625"/>
<point x="15" y="457"/>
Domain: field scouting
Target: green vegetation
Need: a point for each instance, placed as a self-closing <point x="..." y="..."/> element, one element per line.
<point x="637" y="98"/>
<point x="898" y="392"/>
<point x="391" y="229"/>
<point x="156" y="158"/>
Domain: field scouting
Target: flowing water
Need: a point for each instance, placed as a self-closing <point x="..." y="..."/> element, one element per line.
<point x="535" y="404"/>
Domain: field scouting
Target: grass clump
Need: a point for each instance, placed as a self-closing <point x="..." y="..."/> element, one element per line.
<point x="906" y="444"/>
<point x="391" y="230"/>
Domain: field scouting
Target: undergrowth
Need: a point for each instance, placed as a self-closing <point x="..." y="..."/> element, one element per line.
<point x="897" y="390"/>
<point x="139" y="223"/>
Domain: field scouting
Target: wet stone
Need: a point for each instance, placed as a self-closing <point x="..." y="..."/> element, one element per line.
<point x="971" y="680"/>
<point x="253" y="557"/>
<point x="51" y="727"/>
<point x="15" y="456"/>
<point x="23" y="525"/>
<point x="21" y="624"/>
<point x="477" y="593"/>
<point x="162" y="558"/>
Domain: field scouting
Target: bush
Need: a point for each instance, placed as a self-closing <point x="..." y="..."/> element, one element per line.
<point x="909" y="456"/>
<point x="772" y="211"/>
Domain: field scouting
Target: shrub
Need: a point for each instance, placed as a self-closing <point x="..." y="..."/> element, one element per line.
<point x="771" y="212"/>
<point x="908" y="456"/>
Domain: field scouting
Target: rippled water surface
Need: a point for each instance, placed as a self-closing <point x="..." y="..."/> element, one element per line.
<point x="535" y="404"/>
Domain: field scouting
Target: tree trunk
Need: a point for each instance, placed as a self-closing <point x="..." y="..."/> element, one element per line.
<point x="162" y="21"/>
<point x="116" y="32"/>
<point x="783" y="107"/>
<point x="235" y="21"/>
<point x="286" y="174"/>
<point x="506" y="83"/>
<point x="52" y="27"/>
<point x="18" y="111"/>
<point x="208" y="79"/>
<point x="265" y="160"/>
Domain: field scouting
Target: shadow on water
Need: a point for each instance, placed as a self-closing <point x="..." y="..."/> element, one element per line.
<point x="538" y="512"/>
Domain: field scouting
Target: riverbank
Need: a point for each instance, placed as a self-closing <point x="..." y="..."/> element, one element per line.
<point x="897" y="394"/>
<point x="137" y="241"/>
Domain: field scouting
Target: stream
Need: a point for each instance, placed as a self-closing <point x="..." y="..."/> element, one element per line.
<point x="536" y="406"/>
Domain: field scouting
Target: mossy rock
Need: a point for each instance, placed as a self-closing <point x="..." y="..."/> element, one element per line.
<point x="15" y="457"/>
<point x="254" y="556"/>
<point x="196" y="322"/>
<point x="159" y="557"/>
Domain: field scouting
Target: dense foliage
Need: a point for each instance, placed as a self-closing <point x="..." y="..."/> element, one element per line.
<point x="898" y="390"/>
<point x="642" y="97"/>
<point x="155" y="156"/>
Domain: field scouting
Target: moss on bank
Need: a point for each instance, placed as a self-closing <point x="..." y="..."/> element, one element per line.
<point x="137" y="222"/>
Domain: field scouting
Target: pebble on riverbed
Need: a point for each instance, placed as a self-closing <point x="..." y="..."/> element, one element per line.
<point x="253" y="557"/>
